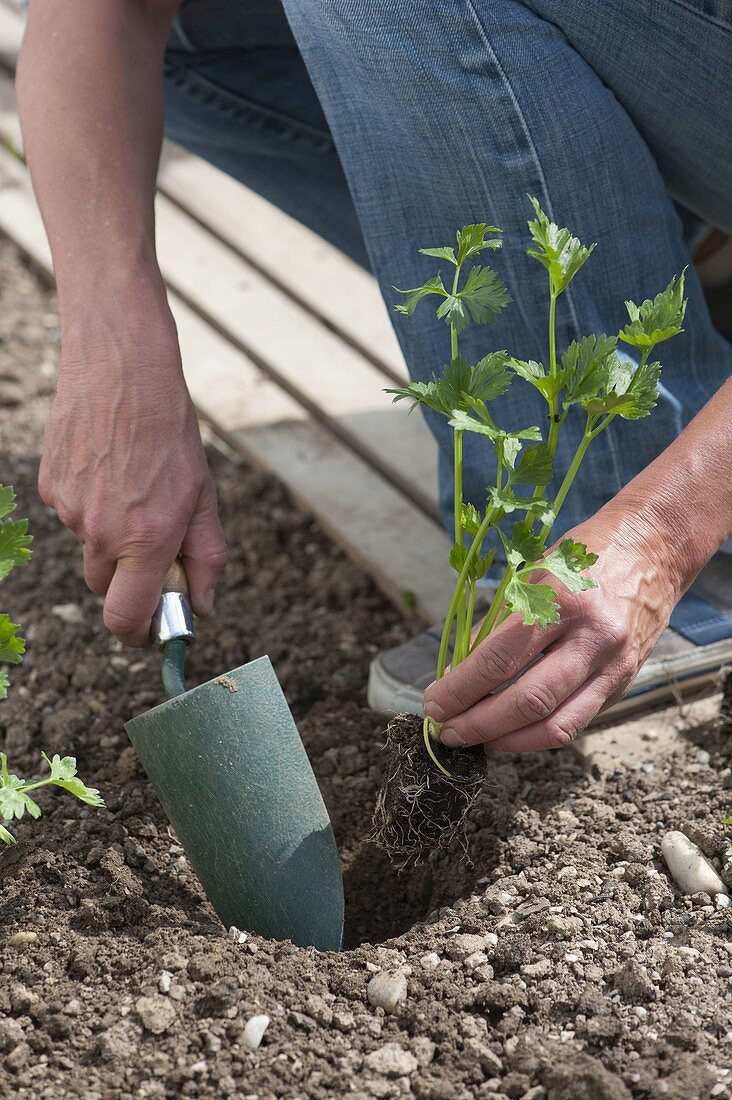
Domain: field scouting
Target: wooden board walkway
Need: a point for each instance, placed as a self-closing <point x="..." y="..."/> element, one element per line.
<point x="287" y="361"/>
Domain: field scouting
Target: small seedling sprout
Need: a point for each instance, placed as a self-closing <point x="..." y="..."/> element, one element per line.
<point x="590" y="378"/>
<point x="15" y="800"/>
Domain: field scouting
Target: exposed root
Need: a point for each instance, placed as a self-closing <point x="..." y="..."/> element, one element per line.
<point x="418" y="809"/>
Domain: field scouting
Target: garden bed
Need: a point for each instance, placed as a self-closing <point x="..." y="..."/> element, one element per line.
<point x="554" y="963"/>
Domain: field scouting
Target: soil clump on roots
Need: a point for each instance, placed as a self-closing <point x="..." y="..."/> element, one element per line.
<point x="419" y="809"/>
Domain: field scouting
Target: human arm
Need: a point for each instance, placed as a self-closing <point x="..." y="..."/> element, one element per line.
<point x="123" y="463"/>
<point x="653" y="539"/>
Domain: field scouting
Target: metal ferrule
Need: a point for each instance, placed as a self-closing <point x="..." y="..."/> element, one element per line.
<point x="173" y="618"/>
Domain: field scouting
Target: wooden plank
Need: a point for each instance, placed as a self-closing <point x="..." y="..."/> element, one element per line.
<point x="403" y="549"/>
<point x="312" y="271"/>
<point x="329" y="377"/>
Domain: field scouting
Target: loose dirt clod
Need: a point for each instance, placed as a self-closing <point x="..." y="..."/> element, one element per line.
<point x="419" y="810"/>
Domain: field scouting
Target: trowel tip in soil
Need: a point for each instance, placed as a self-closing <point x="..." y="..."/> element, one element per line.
<point x="418" y="809"/>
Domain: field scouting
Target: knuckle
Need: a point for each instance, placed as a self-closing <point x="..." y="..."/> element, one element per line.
<point x="495" y="662"/>
<point x="453" y="700"/>
<point x="610" y="633"/>
<point x="535" y="703"/>
<point x="67" y="517"/>
<point x="560" y="732"/>
<point x="215" y="558"/>
<point x="95" y="532"/>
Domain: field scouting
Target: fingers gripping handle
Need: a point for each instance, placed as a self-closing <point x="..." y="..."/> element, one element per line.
<point x="173" y="617"/>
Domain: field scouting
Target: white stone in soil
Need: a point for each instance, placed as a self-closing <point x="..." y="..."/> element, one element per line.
<point x="475" y="960"/>
<point x="462" y="946"/>
<point x="387" y="990"/>
<point x="691" y="870"/>
<point x="68" y="612"/>
<point x="430" y="961"/>
<point x="722" y="901"/>
<point x="156" y="1013"/>
<point x="254" y="1030"/>
<point x="391" y="1060"/>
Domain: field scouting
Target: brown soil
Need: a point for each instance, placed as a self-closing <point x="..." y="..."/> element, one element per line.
<point x="558" y="962"/>
<point x="419" y="809"/>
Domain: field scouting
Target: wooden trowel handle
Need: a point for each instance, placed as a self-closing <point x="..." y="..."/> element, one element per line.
<point x="176" y="579"/>
<point x="173" y="618"/>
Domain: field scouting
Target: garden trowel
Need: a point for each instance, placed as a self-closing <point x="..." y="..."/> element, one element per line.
<point x="233" y="776"/>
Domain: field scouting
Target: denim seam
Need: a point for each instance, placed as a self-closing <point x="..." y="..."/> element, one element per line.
<point x="527" y="133"/>
<point x="207" y="92"/>
<point x="703" y="16"/>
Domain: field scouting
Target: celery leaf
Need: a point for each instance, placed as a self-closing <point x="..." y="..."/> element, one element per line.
<point x="12" y="647"/>
<point x="556" y="249"/>
<point x="472" y="239"/>
<point x="416" y="294"/>
<point x="567" y="562"/>
<point x="658" y="318"/>
<point x="536" y="603"/>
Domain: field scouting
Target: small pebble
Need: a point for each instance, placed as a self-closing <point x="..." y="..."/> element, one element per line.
<point x="391" y="1060"/>
<point x="689" y="867"/>
<point x="156" y="1014"/>
<point x="68" y="612"/>
<point x="20" y="938"/>
<point x="386" y="990"/>
<point x="254" y="1030"/>
<point x="430" y="961"/>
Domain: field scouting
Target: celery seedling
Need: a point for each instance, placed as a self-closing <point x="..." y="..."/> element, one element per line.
<point x="591" y="378"/>
<point x="15" y="798"/>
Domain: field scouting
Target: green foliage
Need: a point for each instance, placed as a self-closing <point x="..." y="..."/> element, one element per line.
<point x="536" y="603"/>
<point x="15" y="800"/>
<point x="483" y="294"/>
<point x="12" y="646"/>
<point x="14" y="538"/>
<point x="460" y="386"/>
<point x="14" y="550"/>
<point x="559" y="252"/>
<point x="471" y="240"/>
<point x="590" y="379"/>
<point x="624" y="390"/>
<point x="567" y="563"/>
<point x="536" y="466"/>
<point x="656" y="319"/>
<point x="414" y="296"/>
<point x="483" y="297"/>
<point x="585" y="366"/>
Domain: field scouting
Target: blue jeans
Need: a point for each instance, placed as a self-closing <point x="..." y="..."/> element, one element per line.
<point x="384" y="127"/>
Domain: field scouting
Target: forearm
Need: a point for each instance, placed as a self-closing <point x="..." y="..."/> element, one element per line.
<point x="685" y="495"/>
<point x="90" y="98"/>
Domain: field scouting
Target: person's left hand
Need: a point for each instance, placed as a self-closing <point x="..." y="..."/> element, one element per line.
<point x="585" y="663"/>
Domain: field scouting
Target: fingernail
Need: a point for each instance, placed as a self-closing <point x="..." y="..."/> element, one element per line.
<point x="208" y="601"/>
<point x="432" y="710"/>
<point x="452" y="739"/>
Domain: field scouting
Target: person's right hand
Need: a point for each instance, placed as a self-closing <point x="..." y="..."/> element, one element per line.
<point x="124" y="467"/>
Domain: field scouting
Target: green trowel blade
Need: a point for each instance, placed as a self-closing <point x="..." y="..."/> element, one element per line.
<point x="233" y="776"/>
